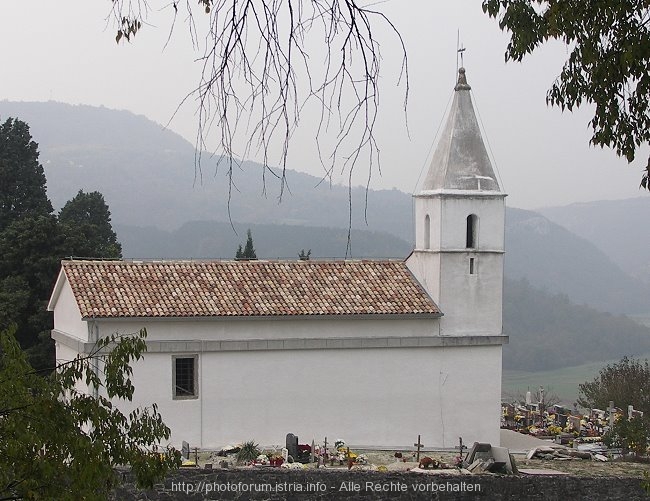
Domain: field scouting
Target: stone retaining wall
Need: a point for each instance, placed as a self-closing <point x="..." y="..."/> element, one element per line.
<point x="280" y="484"/>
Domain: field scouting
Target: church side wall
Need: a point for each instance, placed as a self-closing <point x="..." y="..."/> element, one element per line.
<point x="272" y="328"/>
<point x="375" y="397"/>
<point x="67" y="317"/>
<point x="66" y="354"/>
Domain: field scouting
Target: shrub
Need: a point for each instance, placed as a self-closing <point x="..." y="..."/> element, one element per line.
<point x="630" y="435"/>
<point x="248" y="452"/>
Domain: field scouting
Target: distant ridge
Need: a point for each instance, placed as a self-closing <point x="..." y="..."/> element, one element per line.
<point x="617" y="227"/>
<point x="147" y="176"/>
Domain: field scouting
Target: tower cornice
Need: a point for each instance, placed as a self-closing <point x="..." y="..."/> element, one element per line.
<point x="459" y="194"/>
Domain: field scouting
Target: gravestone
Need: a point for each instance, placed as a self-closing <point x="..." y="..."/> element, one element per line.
<point x="285" y="454"/>
<point x="502" y="459"/>
<point x="485" y="457"/>
<point x="479" y="451"/>
<point x="292" y="445"/>
<point x="185" y="450"/>
<point x="612" y="414"/>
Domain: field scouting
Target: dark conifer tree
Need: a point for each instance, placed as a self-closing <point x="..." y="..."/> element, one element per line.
<point x="33" y="241"/>
<point x="249" y="250"/>
<point x="86" y="227"/>
<point x="22" y="179"/>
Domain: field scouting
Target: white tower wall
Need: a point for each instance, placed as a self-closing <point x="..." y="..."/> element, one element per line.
<point x="460" y="227"/>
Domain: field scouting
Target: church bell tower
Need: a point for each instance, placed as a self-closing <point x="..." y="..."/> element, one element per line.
<point x="460" y="227"/>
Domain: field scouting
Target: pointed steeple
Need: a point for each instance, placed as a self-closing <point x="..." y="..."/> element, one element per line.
<point x="461" y="161"/>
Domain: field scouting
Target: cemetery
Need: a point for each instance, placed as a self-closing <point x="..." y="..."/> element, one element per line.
<point x="524" y="456"/>
<point x="332" y="469"/>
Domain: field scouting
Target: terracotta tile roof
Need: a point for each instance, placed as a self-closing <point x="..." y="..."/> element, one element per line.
<point x="245" y="288"/>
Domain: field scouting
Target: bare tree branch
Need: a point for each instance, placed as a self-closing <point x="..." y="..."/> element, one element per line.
<point x="265" y="60"/>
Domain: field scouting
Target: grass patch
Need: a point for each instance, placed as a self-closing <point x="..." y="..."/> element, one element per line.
<point x="562" y="382"/>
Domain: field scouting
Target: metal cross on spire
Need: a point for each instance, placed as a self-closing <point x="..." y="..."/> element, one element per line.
<point x="459" y="52"/>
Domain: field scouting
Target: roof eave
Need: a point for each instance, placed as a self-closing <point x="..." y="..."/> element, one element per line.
<point x="58" y="286"/>
<point x="207" y="318"/>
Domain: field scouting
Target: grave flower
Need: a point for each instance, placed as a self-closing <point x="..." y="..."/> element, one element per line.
<point x="275" y="459"/>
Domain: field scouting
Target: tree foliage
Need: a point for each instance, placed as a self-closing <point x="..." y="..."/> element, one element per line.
<point x="22" y="179"/>
<point x="626" y="382"/>
<point x="631" y="435"/>
<point x="264" y="60"/>
<point x="608" y="61"/>
<point x="33" y="240"/>
<point x="86" y="225"/>
<point x="248" y="252"/>
<point x="29" y="236"/>
<point x="61" y="443"/>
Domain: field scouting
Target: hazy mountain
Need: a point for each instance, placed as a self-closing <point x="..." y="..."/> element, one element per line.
<point x="617" y="227"/>
<point x="548" y="331"/>
<point x="210" y="239"/>
<point x="551" y="257"/>
<point x="147" y="176"/>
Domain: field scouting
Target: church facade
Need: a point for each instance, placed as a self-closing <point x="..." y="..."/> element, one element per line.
<point x="374" y="352"/>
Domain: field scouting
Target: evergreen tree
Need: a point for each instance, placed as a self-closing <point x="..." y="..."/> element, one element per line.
<point x="86" y="227"/>
<point x="22" y="179"/>
<point x="32" y="240"/>
<point x="249" y="250"/>
<point x="29" y="237"/>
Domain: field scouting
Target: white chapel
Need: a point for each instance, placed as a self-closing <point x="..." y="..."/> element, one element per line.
<point x="374" y="352"/>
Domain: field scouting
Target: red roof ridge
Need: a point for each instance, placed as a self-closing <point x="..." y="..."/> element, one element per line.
<point x="224" y="288"/>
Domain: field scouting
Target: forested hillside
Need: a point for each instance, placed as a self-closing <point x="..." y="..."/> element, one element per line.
<point x="551" y="257"/>
<point x="209" y="239"/>
<point x="615" y="226"/>
<point x="548" y="331"/>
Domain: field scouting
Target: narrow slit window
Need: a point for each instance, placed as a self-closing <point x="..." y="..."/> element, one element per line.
<point x="185" y="377"/>
<point x="427" y="232"/>
<point x="471" y="231"/>
<point x="472" y="268"/>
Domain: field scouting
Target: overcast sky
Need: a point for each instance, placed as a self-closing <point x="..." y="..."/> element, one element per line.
<point x="64" y="51"/>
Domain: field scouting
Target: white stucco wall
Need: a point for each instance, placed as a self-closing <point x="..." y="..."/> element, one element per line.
<point x="64" y="353"/>
<point x="377" y="397"/>
<point x="270" y="328"/>
<point x="448" y="218"/>
<point x="471" y="302"/>
<point x="491" y="217"/>
<point x="427" y="207"/>
<point x="67" y="317"/>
